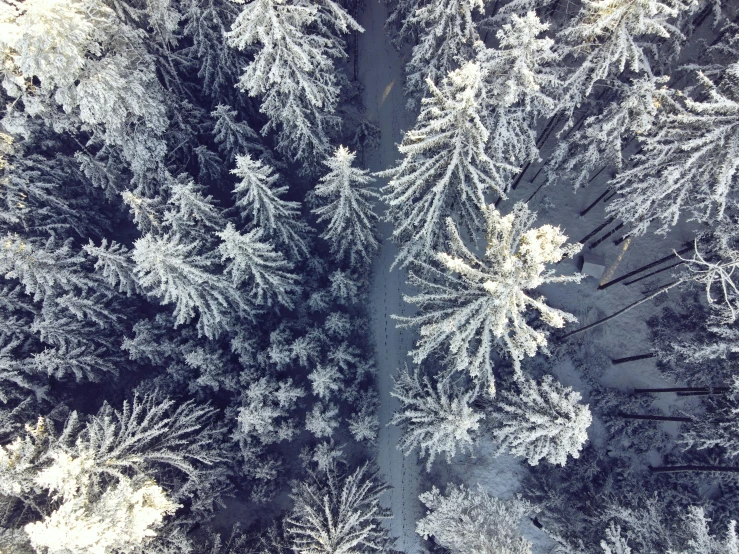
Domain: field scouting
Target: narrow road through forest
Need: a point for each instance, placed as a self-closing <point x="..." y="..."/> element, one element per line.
<point x="380" y="71"/>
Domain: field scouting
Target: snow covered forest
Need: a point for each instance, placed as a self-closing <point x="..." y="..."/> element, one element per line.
<point x="369" y="276"/>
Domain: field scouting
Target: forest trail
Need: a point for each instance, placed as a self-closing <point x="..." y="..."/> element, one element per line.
<point x="381" y="73"/>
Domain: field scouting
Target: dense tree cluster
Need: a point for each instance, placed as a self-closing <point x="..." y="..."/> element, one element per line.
<point x="188" y="234"/>
<point x="175" y="319"/>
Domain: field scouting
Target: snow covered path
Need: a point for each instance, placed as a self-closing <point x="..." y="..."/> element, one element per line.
<point x="380" y="71"/>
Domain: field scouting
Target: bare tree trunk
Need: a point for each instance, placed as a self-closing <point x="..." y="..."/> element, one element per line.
<point x="624" y="310"/>
<point x="608" y="234"/>
<point x="520" y="175"/>
<point x="598" y="229"/>
<point x="655" y="417"/>
<point x="698" y="390"/>
<point x="586" y="210"/>
<point x="672" y="469"/>
<point x="627" y="283"/>
<point x="548" y="130"/>
<point x="632" y="358"/>
<point x="644" y="267"/>
<point x="537" y="190"/>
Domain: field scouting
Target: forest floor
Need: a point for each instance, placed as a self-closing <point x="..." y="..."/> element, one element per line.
<point x="381" y="74"/>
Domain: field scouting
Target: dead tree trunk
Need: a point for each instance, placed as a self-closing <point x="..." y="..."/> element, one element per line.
<point x="632" y="358"/>
<point x="586" y="210"/>
<point x="655" y="417"/>
<point x="624" y="310"/>
<point x="673" y="469"/>
<point x="644" y="267"/>
<point x="707" y="390"/>
<point x="627" y="283"/>
<point x="598" y="229"/>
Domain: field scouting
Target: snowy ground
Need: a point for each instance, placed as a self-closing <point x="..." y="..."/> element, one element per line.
<point x="380" y="71"/>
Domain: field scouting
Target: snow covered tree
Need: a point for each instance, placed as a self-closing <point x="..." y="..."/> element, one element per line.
<point x="44" y="269"/>
<point x="446" y="170"/>
<point x="115" y="264"/>
<point x="701" y="539"/>
<point x="519" y="86"/>
<point x="465" y="521"/>
<point x="259" y="199"/>
<point x="688" y="161"/>
<point x="613" y="35"/>
<point x="190" y="212"/>
<point x="446" y="32"/>
<point x="58" y="44"/>
<point x="293" y="70"/>
<point x="344" y="287"/>
<point x="544" y="421"/>
<point x="206" y="21"/>
<point x="601" y="140"/>
<point x="233" y="137"/>
<point x="322" y="420"/>
<point x="325" y="381"/>
<point x="614" y="543"/>
<point x="147" y="212"/>
<point x="436" y="419"/>
<point x="166" y="268"/>
<point x="125" y="517"/>
<point x="106" y="485"/>
<point x="256" y="264"/>
<point x="364" y="424"/>
<point x="265" y="410"/>
<point x="473" y="305"/>
<point x="348" y="208"/>
<point x="335" y="514"/>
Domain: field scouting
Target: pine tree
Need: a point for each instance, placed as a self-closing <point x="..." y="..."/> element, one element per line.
<point x="545" y="421"/>
<point x="348" y="208"/>
<point x="125" y="517"/>
<point x="58" y="43"/>
<point x="166" y="269"/>
<point x="519" y="87"/>
<point x="206" y="21"/>
<point x="338" y="513"/>
<point x="293" y="70"/>
<point x="322" y="420"/>
<point x="473" y="305"/>
<point x="44" y="269"/>
<point x="436" y="419"/>
<point x="611" y="35"/>
<point x="325" y="380"/>
<point x="365" y="423"/>
<point x="464" y="521"/>
<point x="233" y="137"/>
<point x="601" y="140"/>
<point x="701" y="539"/>
<point x="446" y="170"/>
<point x="614" y="543"/>
<point x="344" y="287"/>
<point x="107" y="484"/>
<point x="259" y="199"/>
<point x="446" y="32"/>
<point x="256" y="264"/>
<point x="115" y="264"/>
<point x="265" y="410"/>
<point x="688" y="162"/>
<point x="190" y="212"/>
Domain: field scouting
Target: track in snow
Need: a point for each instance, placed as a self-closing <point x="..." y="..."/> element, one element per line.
<point x="381" y="73"/>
